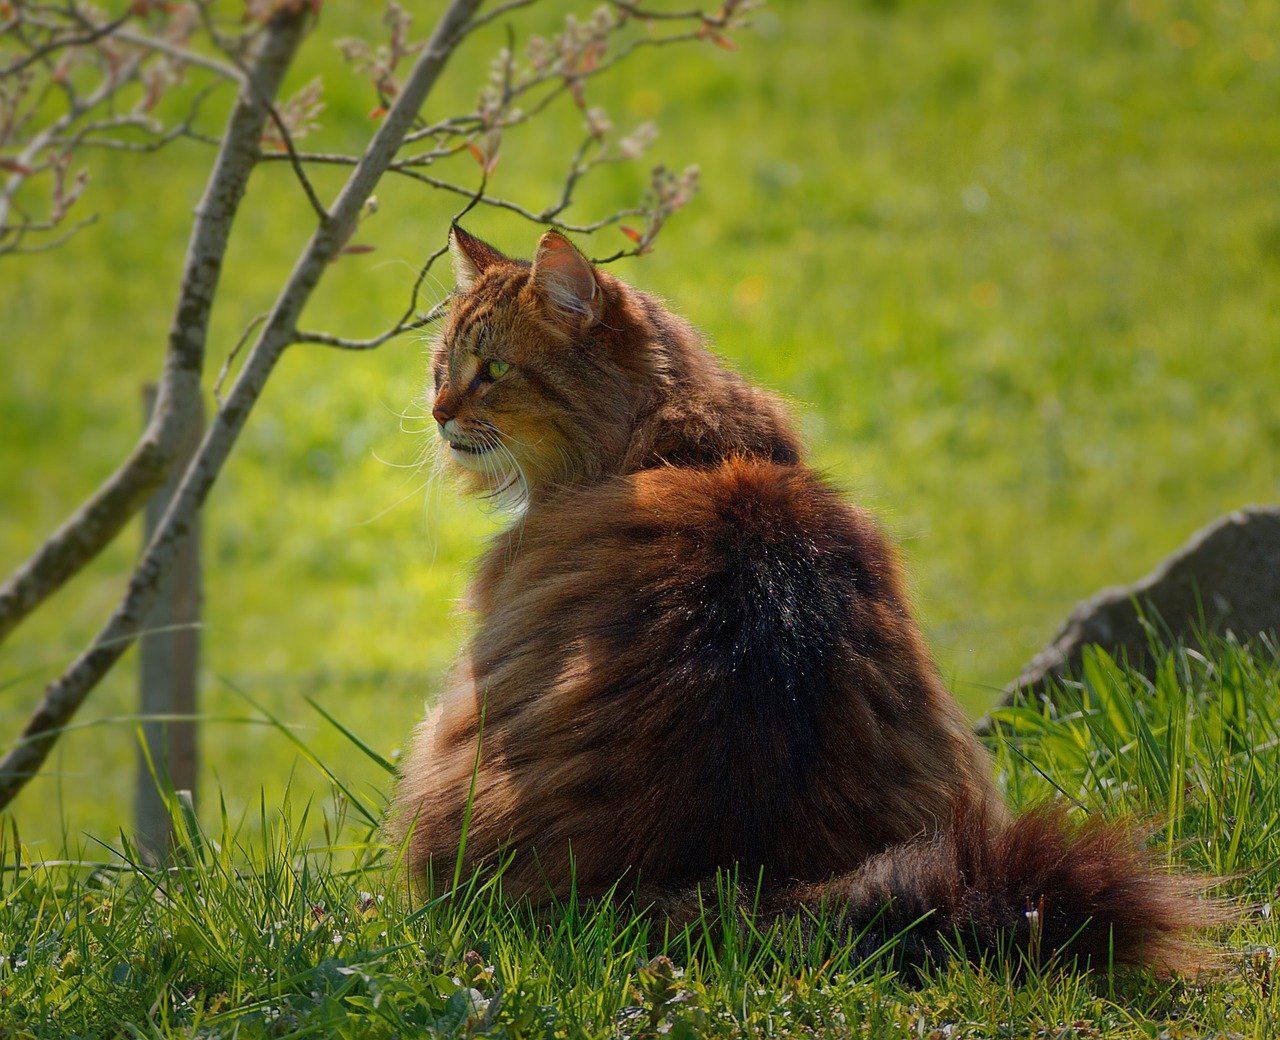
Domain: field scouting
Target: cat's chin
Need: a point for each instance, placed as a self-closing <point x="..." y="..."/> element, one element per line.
<point x="502" y="489"/>
<point x="474" y="459"/>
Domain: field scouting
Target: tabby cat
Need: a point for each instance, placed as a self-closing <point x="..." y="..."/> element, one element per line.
<point x="691" y="654"/>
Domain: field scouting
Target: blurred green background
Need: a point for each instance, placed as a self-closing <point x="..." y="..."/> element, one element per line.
<point x="1017" y="265"/>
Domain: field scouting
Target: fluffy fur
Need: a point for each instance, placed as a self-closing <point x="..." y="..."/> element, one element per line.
<point x="691" y="654"/>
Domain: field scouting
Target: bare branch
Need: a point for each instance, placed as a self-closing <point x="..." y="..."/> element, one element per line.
<point x="549" y="215"/>
<point x="728" y="15"/>
<point x="564" y="82"/>
<point x="66" y="693"/>
<point x="320" y="158"/>
<point x="286" y="138"/>
<point x="578" y="56"/>
<point x="20" y="231"/>
<point x="495" y="14"/>
<point x="183" y="55"/>
<point x="58" y="44"/>
<point x="230" y="359"/>
<point x="63" y="42"/>
<point x="27" y="162"/>
<point x="407" y="322"/>
<point x="636" y="11"/>
<point x="545" y="216"/>
<point x="578" y="168"/>
<point x="451" y="127"/>
<point x="86" y="135"/>
<point x="436" y="312"/>
<point x="326" y="339"/>
<point x="422" y="321"/>
<point x="107" y="510"/>
<point x="495" y="112"/>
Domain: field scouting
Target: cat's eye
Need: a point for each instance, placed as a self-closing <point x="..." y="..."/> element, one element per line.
<point x="494" y="370"/>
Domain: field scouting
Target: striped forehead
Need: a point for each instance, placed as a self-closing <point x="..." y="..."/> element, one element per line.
<point x="476" y="309"/>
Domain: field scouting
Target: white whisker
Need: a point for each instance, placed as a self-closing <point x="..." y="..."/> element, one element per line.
<point x="406" y="415"/>
<point x="397" y="502"/>
<point x="417" y="463"/>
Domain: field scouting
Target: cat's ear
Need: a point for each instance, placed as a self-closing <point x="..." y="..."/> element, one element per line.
<point x="471" y="258"/>
<point x="566" y="278"/>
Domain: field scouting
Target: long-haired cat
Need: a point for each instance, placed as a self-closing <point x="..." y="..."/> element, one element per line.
<point x="691" y="654"/>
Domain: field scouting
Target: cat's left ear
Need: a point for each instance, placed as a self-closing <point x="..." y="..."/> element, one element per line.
<point x="471" y="258"/>
<point x="566" y="278"/>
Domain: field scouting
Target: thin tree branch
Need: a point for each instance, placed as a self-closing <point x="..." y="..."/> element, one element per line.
<point x="18" y="249"/>
<point x="55" y="39"/>
<point x="39" y="53"/>
<point x="577" y="170"/>
<point x="291" y="153"/>
<point x="545" y="216"/>
<point x="451" y="127"/>
<point x="184" y="55"/>
<point x="548" y="215"/>
<point x="27" y="157"/>
<point x="66" y="693"/>
<point x="578" y="167"/>
<point x="326" y="339"/>
<point x="230" y="359"/>
<point x="459" y="125"/>
<point x="84" y="136"/>
<point x="470" y="124"/>
<point x="119" y="497"/>
<point x="148" y="42"/>
<point x="407" y="322"/>
<point x="286" y="138"/>
<point x="723" y="19"/>
<point x="495" y="14"/>
<point x="565" y="80"/>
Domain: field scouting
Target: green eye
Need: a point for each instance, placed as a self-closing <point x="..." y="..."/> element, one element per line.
<point x="495" y="369"/>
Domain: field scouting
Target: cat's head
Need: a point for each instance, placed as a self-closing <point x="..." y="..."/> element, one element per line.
<point x="527" y="391"/>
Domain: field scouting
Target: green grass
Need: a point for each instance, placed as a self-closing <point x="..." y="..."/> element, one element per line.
<point x="1017" y="265"/>
<point x="259" y="934"/>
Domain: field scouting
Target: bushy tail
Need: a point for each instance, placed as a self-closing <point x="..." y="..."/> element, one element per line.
<point x="1029" y="890"/>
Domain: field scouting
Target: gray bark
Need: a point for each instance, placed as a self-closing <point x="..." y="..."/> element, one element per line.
<point x="97" y="522"/>
<point x="66" y="693"/>
<point x="168" y="670"/>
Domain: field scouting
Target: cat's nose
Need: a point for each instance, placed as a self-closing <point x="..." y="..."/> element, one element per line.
<point x="440" y="413"/>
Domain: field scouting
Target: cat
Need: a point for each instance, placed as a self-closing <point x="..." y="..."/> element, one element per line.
<point x="691" y="654"/>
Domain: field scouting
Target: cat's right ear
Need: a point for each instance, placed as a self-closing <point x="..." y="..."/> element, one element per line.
<point x="566" y="279"/>
<point x="471" y="258"/>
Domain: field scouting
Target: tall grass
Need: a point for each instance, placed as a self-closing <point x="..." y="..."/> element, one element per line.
<point x="250" y="931"/>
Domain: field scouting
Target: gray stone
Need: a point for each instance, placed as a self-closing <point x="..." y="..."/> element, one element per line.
<point x="1225" y="579"/>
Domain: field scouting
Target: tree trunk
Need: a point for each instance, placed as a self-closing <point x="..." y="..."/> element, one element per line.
<point x="169" y="664"/>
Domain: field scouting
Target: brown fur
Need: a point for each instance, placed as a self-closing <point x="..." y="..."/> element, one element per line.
<point x="691" y="654"/>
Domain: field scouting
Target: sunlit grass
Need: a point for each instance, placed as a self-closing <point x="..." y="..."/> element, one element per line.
<point x="257" y="931"/>
<point x="1015" y="264"/>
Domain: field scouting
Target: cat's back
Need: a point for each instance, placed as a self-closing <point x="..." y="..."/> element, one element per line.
<point x="757" y="566"/>
<point x="689" y="667"/>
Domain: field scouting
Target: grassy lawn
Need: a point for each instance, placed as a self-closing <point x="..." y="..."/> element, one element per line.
<point x="258" y="935"/>
<point x="1018" y="267"/>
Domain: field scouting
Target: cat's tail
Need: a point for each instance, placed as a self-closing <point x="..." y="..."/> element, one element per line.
<point x="1033" y="889"/>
